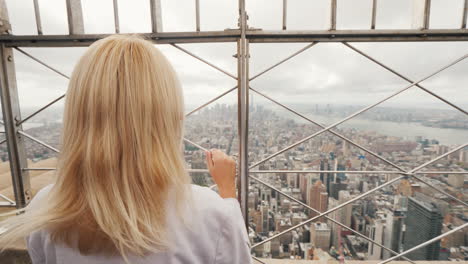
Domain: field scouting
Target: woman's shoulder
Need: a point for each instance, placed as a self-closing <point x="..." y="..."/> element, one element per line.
<point x="40" y="195"/>
<point x="208" y="200"/>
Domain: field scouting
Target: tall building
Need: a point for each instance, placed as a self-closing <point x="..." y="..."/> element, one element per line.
<point x="320" y="235"/>
<point x="326" y="177"/>
<point x="343" y="215"/>
<point x="394" y="232"/>
<point x="265" y="222"/>
<point x="318" y="199"/>
<point x="423" y="222"/>
<point x="376" y="233"/>
<point x="336" y="187"/>
<point x="456" y="180"/>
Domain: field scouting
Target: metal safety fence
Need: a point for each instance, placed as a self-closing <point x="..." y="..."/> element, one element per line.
<point x="244" y="35"/>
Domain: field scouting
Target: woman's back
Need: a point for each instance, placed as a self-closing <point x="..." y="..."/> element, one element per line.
<point x="215" y="234"/>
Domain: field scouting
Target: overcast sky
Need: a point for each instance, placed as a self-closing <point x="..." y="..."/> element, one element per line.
<point x="326" y="73"/>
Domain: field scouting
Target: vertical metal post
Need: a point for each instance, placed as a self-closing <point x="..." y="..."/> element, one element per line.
<point x="116" y="16"/>
<point x="11" y="113"/>
<point x="243" y="111"/>
<point x="37" y="13"/>
<point x="75" y="17"/>
<point x="374" y="13"/>
<point x="197" y="14"/>
<point x="156" y="20"/>
<point x="421" y="14"/>
<point x="333" y="15"/>
<point x="285" y="13"/>
<point x="465" y="14"/>
<point x="427" y="14"/>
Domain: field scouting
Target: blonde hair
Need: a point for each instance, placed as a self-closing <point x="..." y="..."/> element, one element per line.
<point x="121" y="154"/>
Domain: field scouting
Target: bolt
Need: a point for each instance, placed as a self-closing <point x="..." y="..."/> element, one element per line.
<point x="10" y="58"/>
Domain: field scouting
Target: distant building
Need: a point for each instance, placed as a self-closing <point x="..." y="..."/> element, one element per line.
<point x="394" y="232"/>
<point x="318" y="199"/>
<point x="320" y="235"/>
<point x="456" y="180"/>
<point x="423" y="222"/>
<point x="336" y="187"/>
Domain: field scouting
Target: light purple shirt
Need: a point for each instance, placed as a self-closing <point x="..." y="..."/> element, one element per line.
<point x="217" y="235"/>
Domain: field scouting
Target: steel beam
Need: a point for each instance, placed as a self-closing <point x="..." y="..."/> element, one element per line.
<point x="11" y="113"/>
<point x="156" y="18"/>
<point x="75" y="17"/>
<point x="380" y="35"/>
<point x="374" y="13"/>
<point x="243" y="112"/>
<point x="254" y="36"/>
<point x="197" y="15"/>
<point x="37" y="14"/>
<point x="465" y="14"/>
<point x="116" y="16"/>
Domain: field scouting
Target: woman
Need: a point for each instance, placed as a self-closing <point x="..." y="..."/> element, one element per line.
<point x="122" y="194"/>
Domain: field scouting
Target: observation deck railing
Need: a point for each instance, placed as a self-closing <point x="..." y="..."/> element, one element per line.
<point x="244" y="35"/>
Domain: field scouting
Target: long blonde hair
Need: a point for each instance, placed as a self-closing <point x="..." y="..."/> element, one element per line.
<point x="121" y="154"/>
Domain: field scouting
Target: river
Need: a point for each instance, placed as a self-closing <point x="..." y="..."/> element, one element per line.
<point x="408" y="131"/>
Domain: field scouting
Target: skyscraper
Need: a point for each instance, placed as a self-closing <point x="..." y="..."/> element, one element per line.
<point x="423" y="222"/>
<point x="320" y="235"/>
<point x="318" y="198"/>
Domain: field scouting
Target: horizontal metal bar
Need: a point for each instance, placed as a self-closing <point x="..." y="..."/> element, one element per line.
<point x="366" y="35"/>
<point x="404" y="78"/>
<point x="198" y="170"/>
<point x="437" y="238"/>
<point x="84" y="40"/>
<point x="8" y="205"/>
<point x="356" y="172"/>
<point x="13" y="212"/>
<point x="358" y="112"/>
<point x="38" y="141"/>
<point x="38" y="169"/>
<point x="254" y="35"/>
<point x="329" y="218"/>
<point x="204" y="61"/>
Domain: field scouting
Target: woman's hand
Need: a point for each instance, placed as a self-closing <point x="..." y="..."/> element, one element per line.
<point x="223" y="170"/>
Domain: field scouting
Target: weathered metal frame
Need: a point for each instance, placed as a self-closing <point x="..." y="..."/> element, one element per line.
<point x="243" y="36"/>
